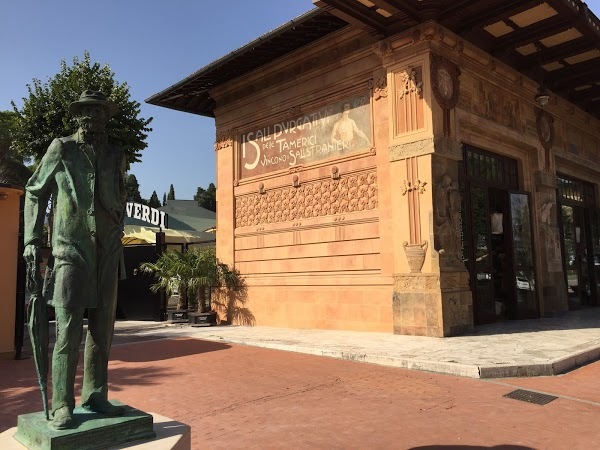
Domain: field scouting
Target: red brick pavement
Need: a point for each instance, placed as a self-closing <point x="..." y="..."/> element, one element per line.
<point x="237" y="396"/>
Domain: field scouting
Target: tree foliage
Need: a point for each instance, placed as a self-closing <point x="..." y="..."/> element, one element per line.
<point x="207" y="198"/>
<point x="8" y="123"/>
<point x="164" y="202"/>
<point x="45" y="111"/>
<point x="12" y="169"/>
<point x="132" y="189"/>
<point x="154" y="202"/>
<point x="171" y="195"/>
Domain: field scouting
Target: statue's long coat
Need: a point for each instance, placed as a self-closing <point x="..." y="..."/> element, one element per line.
<point x="87" y="183"/>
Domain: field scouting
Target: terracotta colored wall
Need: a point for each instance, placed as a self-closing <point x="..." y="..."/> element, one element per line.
<point x="349" y="269"/>
<point x="9" y="232"/>
<point x="324" y="270"/>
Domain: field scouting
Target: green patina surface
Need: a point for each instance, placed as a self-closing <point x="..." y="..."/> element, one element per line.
<point x="92" y="431"/>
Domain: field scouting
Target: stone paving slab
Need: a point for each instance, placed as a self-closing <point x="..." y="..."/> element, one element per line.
<point x="510" y="349"/>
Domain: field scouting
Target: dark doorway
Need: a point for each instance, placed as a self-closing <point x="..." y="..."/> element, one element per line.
<point x="497" y="244"/>
<point x="135" y="300"/>
<point x="580" y="240"/>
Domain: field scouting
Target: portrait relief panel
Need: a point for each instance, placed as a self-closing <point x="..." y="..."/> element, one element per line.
<point x="335" y="130"/>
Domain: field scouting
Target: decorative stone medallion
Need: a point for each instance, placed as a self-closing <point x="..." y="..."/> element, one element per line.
<point x="444" y="81"/>
<point x="545" y="128"/>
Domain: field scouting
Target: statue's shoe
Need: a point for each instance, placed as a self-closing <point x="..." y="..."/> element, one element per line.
<point x="63" y="419"/>
<point x="103" y="406"/>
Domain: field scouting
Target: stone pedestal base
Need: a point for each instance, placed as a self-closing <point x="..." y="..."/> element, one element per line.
<point x="169" y="435"/>
<point x="436" y="305"/>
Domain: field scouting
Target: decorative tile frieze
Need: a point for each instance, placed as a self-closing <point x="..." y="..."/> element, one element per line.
<point x="349" y="193"/>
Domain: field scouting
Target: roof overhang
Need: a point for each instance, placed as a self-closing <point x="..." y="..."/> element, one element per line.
<point x="555" y="42"/>
<point x="192" y="93"/>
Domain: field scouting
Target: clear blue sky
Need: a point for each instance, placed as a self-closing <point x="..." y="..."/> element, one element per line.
<point x="150" y="44"/>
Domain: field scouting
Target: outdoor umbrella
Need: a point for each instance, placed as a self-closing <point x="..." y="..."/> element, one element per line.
<point x="37" y="322"/>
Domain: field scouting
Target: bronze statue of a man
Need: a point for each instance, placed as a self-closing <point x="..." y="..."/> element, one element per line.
<point x="84" y="175"/>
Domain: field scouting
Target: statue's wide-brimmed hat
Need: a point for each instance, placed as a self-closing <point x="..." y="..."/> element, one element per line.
<point x="93" y="98"/>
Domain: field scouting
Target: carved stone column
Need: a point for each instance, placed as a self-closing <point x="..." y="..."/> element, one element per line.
<point x="446" y="235"/>
<point x="550" y="274"/>
<point x="431" y="294"/>
<point x="437" y="302"/>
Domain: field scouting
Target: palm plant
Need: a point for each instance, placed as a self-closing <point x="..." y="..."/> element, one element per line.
<point x="196" y="271"/>
<point x="167" y="271"/>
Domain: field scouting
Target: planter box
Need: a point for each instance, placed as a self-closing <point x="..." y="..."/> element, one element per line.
<point x="202" y="319"/>
<point x="177" y="315"/>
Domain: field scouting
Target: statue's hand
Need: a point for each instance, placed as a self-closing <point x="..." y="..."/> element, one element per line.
<point x="31" y="254"/>
<point x="32" y="259"/>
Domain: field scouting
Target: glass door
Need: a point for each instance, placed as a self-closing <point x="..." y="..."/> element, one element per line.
<point x="523" y="256"/>
<point x="576" y="259"/>
<point x="570" y="255"/>
<point x="595" y="260"/>
<point x="481" y="266"/>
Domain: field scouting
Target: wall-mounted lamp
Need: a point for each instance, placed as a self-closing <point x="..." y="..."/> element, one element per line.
<point x="543" y="96"/>
<point x="3" y="195"/>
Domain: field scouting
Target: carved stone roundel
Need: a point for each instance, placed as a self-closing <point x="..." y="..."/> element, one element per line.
<point x="545" y="128"/>
<point x="445" y="82"/>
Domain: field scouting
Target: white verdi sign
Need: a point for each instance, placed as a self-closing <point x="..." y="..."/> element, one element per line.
<point x="147" y="214"/>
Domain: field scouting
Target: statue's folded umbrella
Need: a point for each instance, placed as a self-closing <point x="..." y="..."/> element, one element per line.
<point x="37" y="322"/>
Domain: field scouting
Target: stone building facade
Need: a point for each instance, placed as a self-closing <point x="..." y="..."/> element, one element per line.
<point x="407" y="183"/>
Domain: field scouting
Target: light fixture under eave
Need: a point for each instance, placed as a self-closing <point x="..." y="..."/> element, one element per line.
<point x="3" y="195"/>
<point x="543" y="96"/>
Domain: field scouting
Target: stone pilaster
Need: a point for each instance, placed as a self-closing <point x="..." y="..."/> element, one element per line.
<point x="550" y="274"/>
<point x="437" y="302"/>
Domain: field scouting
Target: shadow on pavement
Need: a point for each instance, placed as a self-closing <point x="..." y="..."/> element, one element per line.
<point x="570" y="320"/>
<point x="120" y="378"/>
<point x="163" y="349"/>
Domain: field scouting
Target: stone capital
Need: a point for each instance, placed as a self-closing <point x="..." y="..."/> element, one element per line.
<point x="543" y="179"/>
<point x="224" y="139"/>
<point x="449" y="148"/>
<point x="409" y="149"/>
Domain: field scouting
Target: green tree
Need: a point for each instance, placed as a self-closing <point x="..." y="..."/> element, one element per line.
<point x="12" y="168"/>
<point x="8" y="123"/>
<point x="164" y="203"/>
<point x="154" y="202"/>
<point x="132" y="189"/>
<point x="198" y="270"/>
<point x="45" y="111"/>
<point x="171" y="195"/>
<point x="207" y="198"/>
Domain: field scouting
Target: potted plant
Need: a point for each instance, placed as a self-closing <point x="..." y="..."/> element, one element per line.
<point x="198" y="271"/>
<point x="169" y="273"/>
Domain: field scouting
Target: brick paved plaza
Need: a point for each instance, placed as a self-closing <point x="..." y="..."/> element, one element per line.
<point x="237" y="396"/>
